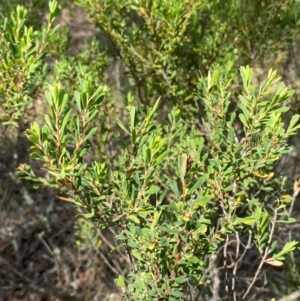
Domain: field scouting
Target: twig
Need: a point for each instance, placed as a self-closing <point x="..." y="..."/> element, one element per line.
<point x="264" y="256"/>
<point x="295" y="194"/>
<point x="225" y="265"/>
<point x="40" y="236"/>
<point x="215" y="276"/>
<point x="237" y="252"/>
<point x="238" y="260"/>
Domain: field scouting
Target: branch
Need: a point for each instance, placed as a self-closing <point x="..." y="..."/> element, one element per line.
<point x="264" y="256"/>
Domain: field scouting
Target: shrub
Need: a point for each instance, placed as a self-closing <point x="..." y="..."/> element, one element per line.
<point x="175" y="200"/>
<point x="187" y="176"/>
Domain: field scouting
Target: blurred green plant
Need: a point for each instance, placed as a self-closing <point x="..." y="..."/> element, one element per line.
<point x="22" y="50"/>
<point x="164" y="45"/>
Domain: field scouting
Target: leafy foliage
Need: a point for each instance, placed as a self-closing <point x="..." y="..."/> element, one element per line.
<point x="21" y="54"/>
<point x="168" y="231"/>
<point x="181" y="165"/>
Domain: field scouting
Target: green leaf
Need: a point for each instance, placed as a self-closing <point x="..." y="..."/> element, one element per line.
<point x="35" y="129"/>
<point x="133" y="119"/>
<point x="49" y="98"/>
<point x="199" y="183"/>
<point x="120" y="281"/>
<point x="243" y="120"/>
<point x="202" y="201"/>
<point x="193" y="260"/>
<point x="76" y="123"/>
<point x="179" y="280"/>
<point x="152" y="190"/>
<point x="294" y="120"/>
<point x="49" y="123"/>
<point x="201" y="230"/>
<point x="63" y="99"/>
<point x="290" y="220"/>
<point x="82" y="83"/>
<point x="247" y="75"/>
<point x="121" y="125"/>
<point x="91" y="115"/>
<point x="143" y="213"/>
<point x="211" y="79"/>
<point x="148" y="155"/>
<point x="174" y="188"/>
<point x="66" y="120"/>
<point x="273" y="247"/>
<point x="36" y="156"/>
<point x="134" y="218"/>
<point x="98" y="100"/>
<point x="151" y="112"/>
<point x="280" y="110"/>
<point x="77" y="100"/>
<point x="33" y="139"/>
<point x="90" y="134"/>
<point x="229" y="188"/>
<point x="231" y="135"/>
<point x="133" y="136"/>
<point x="84" y="100"/>
<point x="288" y="247"/>
<point x="176" y="294"/>
<point x="83" y="152"/>
<point x="156" y="217"/>
<point x="117" y="218"/>
<point x="247" y="220"/>
<point x="244" y="106"/>
<point x="232" y="118"/>
<point x="97" y="94"/>
<point x="160" y="158"/>
<point x="171" y="230"/>
<point x="137" y="255"/>
<point x="138" y="284"/>
<point x="45" y="132"/>
<point x="143" y="140"/>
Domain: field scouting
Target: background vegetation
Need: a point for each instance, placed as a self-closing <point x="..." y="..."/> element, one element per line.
<point x="148" y="150"/>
